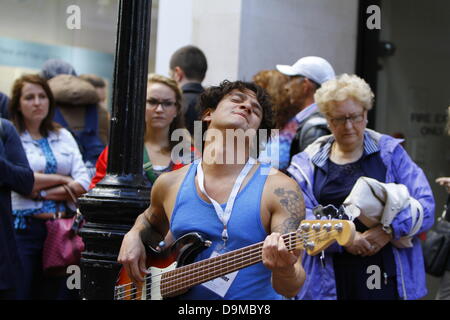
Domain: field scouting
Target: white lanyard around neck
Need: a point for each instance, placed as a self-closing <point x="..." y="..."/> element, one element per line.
<point x="224" y="215"/>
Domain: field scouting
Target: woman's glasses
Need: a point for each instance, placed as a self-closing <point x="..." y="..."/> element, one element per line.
<point x="357" y="118"/>
<point x="154" y="103"/>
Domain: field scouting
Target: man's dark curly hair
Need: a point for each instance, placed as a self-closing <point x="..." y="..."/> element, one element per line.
<point x="211" y="97"/>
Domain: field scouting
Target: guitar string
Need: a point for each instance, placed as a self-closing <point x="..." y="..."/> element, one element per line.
<point x="246" y="261"/>
<point x="173" y="287"/>
<point x="304" y="236"/>
<point x="194" y="267"/>
<point x="219" y="262"/>
<point x="232" y="259"/>
<point x="223" y="265"/>
<point x="189" y="268"/>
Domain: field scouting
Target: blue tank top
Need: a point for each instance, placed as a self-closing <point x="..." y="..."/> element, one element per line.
<point x="192" y="214"/>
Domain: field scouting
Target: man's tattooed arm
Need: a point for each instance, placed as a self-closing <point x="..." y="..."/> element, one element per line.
<point x="293" y="203"/>
<point x="287" y="211"/>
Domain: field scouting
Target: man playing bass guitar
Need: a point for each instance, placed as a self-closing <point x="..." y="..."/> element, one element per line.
<point x="229" y="198"/>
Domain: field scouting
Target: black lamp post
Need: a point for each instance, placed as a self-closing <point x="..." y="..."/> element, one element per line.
<point x="111" y="208"/>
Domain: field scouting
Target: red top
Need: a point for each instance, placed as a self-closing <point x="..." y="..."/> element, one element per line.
<point x="102" y="164"/>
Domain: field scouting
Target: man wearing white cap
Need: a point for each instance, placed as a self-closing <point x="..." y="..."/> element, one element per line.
<point x="307" y="75"/>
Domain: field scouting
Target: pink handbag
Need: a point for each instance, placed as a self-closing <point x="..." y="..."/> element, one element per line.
<point x="62" y="246"/>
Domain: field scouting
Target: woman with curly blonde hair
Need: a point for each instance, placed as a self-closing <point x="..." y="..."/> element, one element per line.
<point x="327" y="171"/>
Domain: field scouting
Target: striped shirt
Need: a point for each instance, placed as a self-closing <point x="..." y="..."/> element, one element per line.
<point x="321" y="157"/>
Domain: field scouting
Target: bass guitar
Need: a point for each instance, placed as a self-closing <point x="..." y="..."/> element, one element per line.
<point x="171" y="271"/>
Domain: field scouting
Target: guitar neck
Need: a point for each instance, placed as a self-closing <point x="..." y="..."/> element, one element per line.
<point x="185" y="277"/>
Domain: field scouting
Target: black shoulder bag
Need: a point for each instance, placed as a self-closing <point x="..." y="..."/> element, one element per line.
<point x="436" y="247"/>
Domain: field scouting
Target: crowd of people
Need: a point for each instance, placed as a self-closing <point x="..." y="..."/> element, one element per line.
<point x="54" y="146"/>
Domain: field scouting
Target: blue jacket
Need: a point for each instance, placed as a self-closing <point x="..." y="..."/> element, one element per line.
<point x="4" y="106"/>
<point x="15" y="174"/>
<point x="320" y="281"/>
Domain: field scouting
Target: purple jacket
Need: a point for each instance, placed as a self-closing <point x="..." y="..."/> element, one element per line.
<point x="320" y="281"/>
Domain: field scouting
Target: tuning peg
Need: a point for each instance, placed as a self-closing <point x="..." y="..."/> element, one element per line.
<point x="339" y="227"/>
<point x="305" y="227"/>
<point x="309" y="245"/>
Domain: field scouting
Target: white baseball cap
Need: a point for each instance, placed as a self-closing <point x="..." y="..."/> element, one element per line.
<point x="315" y="68"/>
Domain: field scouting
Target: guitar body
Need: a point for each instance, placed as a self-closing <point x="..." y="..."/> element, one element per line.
<point x="182" y="252"/>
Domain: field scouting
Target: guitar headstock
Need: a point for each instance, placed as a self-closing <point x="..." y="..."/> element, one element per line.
<point x="317" y="235"/>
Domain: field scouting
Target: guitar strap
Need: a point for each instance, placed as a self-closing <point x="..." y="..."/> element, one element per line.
<point x="224" y="215"/>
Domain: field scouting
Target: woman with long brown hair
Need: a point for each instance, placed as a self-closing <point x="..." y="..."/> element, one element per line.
<point x="54" y="157"/>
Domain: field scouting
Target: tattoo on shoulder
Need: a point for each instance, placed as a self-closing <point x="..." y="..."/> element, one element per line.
<point x="292" y="201"/>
